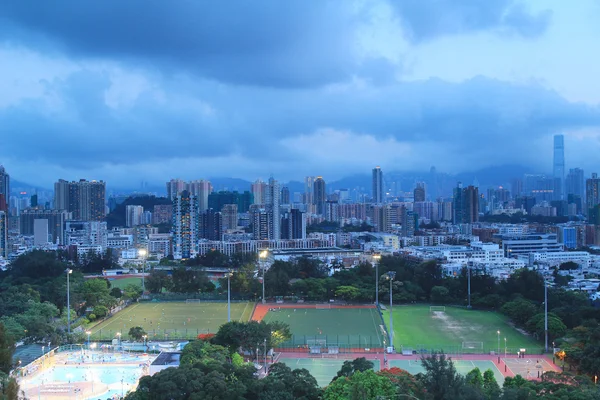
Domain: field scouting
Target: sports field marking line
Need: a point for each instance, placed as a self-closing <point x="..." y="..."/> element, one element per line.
<point x="375" y="325"/>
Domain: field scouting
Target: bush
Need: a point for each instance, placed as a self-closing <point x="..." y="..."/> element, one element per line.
<point x="92" y="317"/>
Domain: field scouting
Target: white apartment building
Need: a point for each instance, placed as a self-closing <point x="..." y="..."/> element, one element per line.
<point x="552" y="259"/>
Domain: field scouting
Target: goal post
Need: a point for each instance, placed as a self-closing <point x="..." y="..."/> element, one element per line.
<point x="192" y="301"/>
<point x="472" y="345"/>
<point x="437" y="308"/>
<point x="323" y="306"/>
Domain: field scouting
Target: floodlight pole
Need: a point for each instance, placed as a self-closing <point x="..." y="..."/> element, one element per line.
<point x="469" y="279"/>
<point x="69" y="271"/>
<point x="391" y="276"/>
<point x="229" y="296"/>
<point x="376" y="283"/>
<point x="546" y="313"/>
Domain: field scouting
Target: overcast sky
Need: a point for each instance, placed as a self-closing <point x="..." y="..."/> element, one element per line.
<point x="151" y="90"/>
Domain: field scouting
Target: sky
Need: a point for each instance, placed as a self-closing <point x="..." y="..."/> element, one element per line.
<point x="149" y="90"/>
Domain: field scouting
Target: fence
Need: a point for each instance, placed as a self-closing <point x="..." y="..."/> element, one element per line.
<point x="460" y="349"/>
<point x="214" y="297"/>
<point x="345" y="343"/>
<point x="153" y="334"/>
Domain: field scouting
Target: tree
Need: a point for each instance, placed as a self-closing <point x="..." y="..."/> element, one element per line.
<point x="158" y="280"/>
<point x="7" y="348"/>
<point x="97" y="292"/>
<point x="556" y="328"/>
<point x="132" y="292"/>
<point x="360" y="386"/>
<point x="100" y="311"/>
<point x="350" y="367"/>
<point x="439" y="294"/>
<point x="188" y="280"/>
<point x="490" y="386"/>
<point x="116" y="292"/>
<point x="137" y="333"/>
<point x="568" y="266"/>
<point x="405" y="383"/>
<point x="298" y="383"/>
<point x="347" y="292"/>
<point x="9" y="387"/>
<point x="519" y="310"/>
<point x="441" y="380"/>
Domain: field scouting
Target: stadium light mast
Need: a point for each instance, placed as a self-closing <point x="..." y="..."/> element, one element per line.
<point x="469" y="279"/>
<point x="143" y="253"/>
<point x="546" y="313"/>
<point x="229" y="273"/>
<point x="69" y="271"/>
<point x="263" y="256"/>
<point x="391" y="275"/>
<point x="376" y="258"/>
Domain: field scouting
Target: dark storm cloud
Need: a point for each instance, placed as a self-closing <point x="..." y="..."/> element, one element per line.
<point x="269" y="43"/>
<point x="428" y="19"/>
<point x="480" y="117"/>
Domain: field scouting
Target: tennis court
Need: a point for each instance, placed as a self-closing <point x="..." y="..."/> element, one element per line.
<point x="457" y="330"/>
<point x="173" y="320"/>
<point x="529" y="368"/>
<point x="323" y="369"/>
<point x="347" y="327"/>
<point x="462" y="366"/>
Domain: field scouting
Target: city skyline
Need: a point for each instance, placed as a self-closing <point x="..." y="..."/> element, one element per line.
<point x="370" y="83"/>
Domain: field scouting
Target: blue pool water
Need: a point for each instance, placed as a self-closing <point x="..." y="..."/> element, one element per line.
<point x="107" y="375"/>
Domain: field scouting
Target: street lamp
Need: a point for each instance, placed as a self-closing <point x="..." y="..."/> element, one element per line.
<point x="265" y="343"/>
<point x="229" y="273"/>
<point x="376" y="258"/>
<point x="504" y="347"/>
<point x="69" y="272"/>
<point x="546" y="313"/>
<point x="143" y="253"/>
<point x="263" y="256"/>
<point x="391" y="275"/>
<point x="119" y="338"/>
<point x="498" y="341"/>
<point x="88" y="333"/>
<point x="145" y="337"/>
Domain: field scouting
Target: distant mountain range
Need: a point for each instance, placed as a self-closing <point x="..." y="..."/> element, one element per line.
<point x="404" y="181"/>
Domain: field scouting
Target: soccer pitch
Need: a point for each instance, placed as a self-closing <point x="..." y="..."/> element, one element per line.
<point x="353" y="327"/>
<point x="174" y="320"/>
<point x="456" y="330"/>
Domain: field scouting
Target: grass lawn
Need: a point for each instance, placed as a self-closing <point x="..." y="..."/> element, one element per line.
<point x="358" y="327"/>
<point x="121" y="283"/>
<point x="418" y="328"/>
<point x="176" y="319"/>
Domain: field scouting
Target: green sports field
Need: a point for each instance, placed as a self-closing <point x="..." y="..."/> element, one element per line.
<point x="349" y="327"/>
<point x="175" y="319"/>
<point x="456" y="330"/>
<point x="123" y="282"/>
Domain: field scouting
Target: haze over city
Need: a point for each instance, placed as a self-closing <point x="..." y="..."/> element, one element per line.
<point x="292" y="88"/>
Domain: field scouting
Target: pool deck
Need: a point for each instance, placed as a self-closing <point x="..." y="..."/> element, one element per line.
<point x="81" y="389"/>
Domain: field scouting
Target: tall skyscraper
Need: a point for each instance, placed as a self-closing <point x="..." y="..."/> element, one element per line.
<point x="309" y="183"/>
<point x="3" y="234"/>
<point x="285" y="195"/>
<point x="85" y="200"/>
<point x="56" y="223"/>
<point x="419" y="192"/>
<point x="133" y="215"/>
<point x="230" y="216"/>
<point x="185" y="225"/>
<point x="378" y="193"/>
<point x="592" y="191"/>
<point x="466" y="204"/>
<point x="201" y="189"/>
<point x="272" y="202"/>
<point x="174" y="188"/>
<point x="293" y="225"/>
<point x="4" y="189"/>
<point x="319" y="196"/>
<point x="211" y="225"/>
<point x="258" y="189"/>
<point x="575" y="183"/>
<point x="559" y="166"/>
